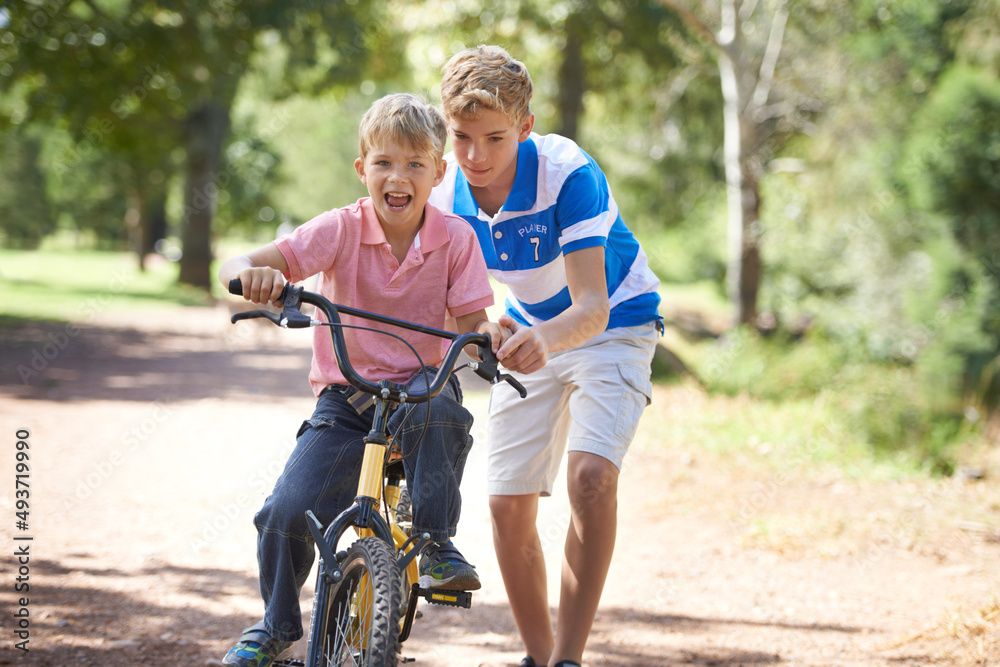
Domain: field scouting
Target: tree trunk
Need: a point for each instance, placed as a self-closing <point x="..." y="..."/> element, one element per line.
<point x="572" y="79"/>
<point x="151" y="225"/>
<point x="206" y="129"/>
<point x="743" y="271"/>
<point x="745" y="92"/>
<point x="749" y="250"/>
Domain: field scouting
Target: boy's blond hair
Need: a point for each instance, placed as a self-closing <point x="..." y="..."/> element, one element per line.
<point x="406" y="119"/>
<point x="486" y="77"/>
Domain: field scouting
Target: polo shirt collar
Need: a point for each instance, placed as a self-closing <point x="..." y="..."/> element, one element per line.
<point x="434" y="232"/>
<point x="465" y="203"/>
<point x="522" y="196"/>
<point x="432" y="235"/>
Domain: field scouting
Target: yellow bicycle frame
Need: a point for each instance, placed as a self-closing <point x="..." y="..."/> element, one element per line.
<point x="370" y="486"/>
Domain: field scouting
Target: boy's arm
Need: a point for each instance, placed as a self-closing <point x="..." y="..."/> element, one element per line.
<point x="261" y="272"/>
<point x="528" y="348"/>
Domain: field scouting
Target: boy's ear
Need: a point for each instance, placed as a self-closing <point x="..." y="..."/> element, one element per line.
<point x="526" y="127"/>
<point x="359" y="166"/>
<point x="442" y="167"/>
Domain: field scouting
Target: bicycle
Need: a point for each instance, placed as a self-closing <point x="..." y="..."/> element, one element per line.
<point x="366" y="595"/>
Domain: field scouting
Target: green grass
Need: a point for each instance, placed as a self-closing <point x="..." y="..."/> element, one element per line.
<point x="75" y="285"/>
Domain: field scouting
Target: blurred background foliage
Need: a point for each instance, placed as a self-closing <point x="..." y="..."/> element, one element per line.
<point x="871" y="156"/>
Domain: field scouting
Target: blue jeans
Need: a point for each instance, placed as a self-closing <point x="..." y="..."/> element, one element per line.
<point x="322" y="475"/>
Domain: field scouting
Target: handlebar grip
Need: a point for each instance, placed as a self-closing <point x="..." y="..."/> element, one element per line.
<point x="236" y="288"/>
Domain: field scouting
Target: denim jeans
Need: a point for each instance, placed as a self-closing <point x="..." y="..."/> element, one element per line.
<point x="322" y="475"/>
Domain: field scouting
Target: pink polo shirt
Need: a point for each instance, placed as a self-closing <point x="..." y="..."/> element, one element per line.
<point x="443" y="275"/>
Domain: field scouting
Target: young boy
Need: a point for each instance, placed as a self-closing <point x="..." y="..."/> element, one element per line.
<point x="583" y="306"/>
<point x="389" y="253"/>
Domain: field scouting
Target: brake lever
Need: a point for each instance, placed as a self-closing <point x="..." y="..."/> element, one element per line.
<point x="290" y="318"/>
<point x="489" y="371"/>
<point x="254" y="314"/>
<point x="509" y="379"/>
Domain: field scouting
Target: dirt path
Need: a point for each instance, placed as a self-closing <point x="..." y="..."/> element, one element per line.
<point x="153" y="445"/>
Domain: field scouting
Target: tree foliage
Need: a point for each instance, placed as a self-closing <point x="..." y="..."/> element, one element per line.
<point x="163" y="75"/>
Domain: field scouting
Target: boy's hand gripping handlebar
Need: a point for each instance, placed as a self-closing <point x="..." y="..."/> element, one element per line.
<point x="291" y="317"/>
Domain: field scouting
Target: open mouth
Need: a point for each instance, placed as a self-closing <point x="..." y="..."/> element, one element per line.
<point x="397" y="201"/>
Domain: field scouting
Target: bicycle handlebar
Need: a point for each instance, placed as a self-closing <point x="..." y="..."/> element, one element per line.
<point x="291" y="317"/>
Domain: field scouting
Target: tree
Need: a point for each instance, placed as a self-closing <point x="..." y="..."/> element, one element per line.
<point x="210" y="47"/>
<point x="758" y="117"/>
<point x="143" y="78"/>
<point x="69" y="68"/>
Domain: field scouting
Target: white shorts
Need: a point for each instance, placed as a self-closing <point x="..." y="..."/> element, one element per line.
<point x="589" y="398"/>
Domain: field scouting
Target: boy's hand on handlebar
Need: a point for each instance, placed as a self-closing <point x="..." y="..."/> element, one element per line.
<point x="262" y="285"/>
<point x="498" y="333"/>
<point x="524" y="351"/>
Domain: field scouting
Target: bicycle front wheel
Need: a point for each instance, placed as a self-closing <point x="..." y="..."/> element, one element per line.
<point x="356" y="621"/>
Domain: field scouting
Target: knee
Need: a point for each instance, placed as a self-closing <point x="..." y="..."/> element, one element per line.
<point x="284" y="513"/>
<point x="592" y="480"/>
<point x="513" y="512"/>
<point x="445" y="410"/>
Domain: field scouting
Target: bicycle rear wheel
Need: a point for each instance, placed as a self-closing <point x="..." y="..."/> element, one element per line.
<point x="356" y="621"/>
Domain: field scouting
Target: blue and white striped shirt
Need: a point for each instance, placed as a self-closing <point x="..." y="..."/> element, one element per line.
<point x="560" y="202"/>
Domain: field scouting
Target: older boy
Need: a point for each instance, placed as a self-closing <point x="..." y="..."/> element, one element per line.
<point x="390" y="253"/>
<point x="584" y="309"/>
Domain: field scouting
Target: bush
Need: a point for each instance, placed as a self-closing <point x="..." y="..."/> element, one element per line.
<point x="770" y="368"/>
<point x="883" y="406"/>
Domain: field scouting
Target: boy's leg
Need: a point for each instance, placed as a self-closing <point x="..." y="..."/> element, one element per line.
<point x="434" y="458"/>
<point x="321" y="475"/>
<point x="526" y="442"/>
<point x="590" y="543"/>
<point x="435" y="450"/>
<point x="611" y="375"/>
<point x="522" y="566"/>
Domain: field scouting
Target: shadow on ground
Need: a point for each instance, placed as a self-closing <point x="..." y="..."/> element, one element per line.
<point x="60" y="362"/>
<point x="111" y="618"/>
<point x="613" y="640"/>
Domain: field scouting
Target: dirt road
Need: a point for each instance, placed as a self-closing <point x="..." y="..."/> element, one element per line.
<point x="152" y="445"/>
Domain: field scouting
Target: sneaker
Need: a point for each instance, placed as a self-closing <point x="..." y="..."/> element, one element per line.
<point x="442" y="566"/>
<point x="528" y="661"/>
<point x="255" y="648"/>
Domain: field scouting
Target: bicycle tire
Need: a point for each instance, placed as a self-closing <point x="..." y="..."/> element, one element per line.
<point x="403" y="512"/>
<point x="356" y="620"/>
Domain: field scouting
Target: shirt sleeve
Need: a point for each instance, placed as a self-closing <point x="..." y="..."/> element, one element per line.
<point x="469" y="286"/>
<point x="312" y="247"/>
<point x="582" y="211"/>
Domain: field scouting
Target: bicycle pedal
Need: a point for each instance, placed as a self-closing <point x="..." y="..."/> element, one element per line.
<point x="447" y="598"/>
